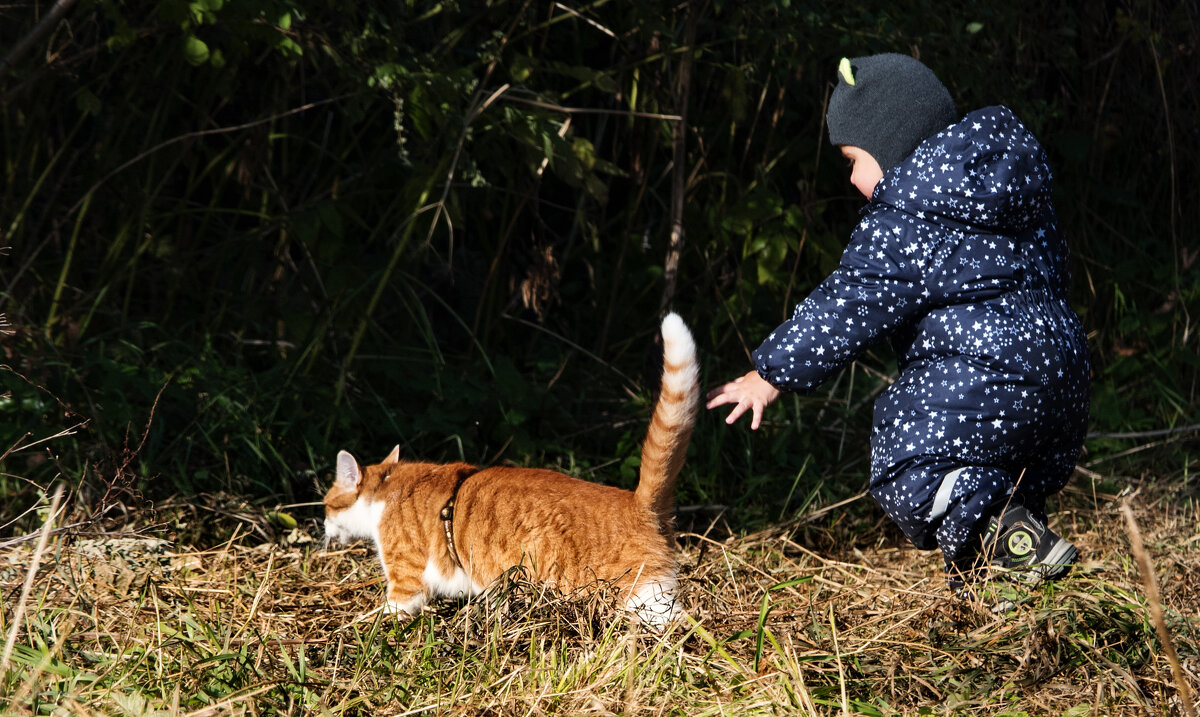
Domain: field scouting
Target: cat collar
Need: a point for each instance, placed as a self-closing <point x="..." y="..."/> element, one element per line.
<point x="447" y="515"/>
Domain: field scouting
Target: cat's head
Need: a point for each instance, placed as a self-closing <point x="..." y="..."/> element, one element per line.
<point x="351" y="508"/>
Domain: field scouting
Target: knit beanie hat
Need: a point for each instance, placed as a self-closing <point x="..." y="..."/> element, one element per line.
<point x="887" y="105"/>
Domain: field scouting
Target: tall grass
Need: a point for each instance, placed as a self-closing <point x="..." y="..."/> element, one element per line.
<point x="811" y="616"/>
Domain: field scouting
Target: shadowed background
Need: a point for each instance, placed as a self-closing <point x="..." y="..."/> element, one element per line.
<point x="241" y="236"/>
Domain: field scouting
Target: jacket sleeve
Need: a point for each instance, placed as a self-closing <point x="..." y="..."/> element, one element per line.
<point x="878" y="287"/>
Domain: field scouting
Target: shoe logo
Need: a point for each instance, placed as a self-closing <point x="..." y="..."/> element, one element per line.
<point x="1020" y="543"/>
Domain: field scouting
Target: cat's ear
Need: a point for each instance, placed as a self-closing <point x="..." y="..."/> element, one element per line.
<point x="394" y="455"/>
<point x="348" y="473"/>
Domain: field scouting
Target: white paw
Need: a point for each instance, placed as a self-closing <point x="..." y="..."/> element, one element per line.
<point x="654" y="603"/>
<point x="408" y="607"/>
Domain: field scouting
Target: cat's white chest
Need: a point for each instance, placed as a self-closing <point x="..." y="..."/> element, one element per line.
<point x="360" y="520"/>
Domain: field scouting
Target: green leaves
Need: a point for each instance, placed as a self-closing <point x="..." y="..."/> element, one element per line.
<point x="242" y="25"/>
<point x="204" y="12"/>
<point x="262" y="170"/>
<point x="769" y="232"/>
<point x="195" y="50"/>
<point x="87" y="102"/>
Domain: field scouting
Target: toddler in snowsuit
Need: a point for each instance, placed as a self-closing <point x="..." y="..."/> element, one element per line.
<point x="959" y="261"/>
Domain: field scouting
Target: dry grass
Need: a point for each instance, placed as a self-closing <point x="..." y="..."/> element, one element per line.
<point x="826" y="616"/>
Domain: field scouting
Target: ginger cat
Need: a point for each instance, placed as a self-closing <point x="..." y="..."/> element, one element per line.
<point x="449" y="530"/>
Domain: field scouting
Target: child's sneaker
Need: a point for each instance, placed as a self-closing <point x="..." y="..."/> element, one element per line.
<point x="1015" y="547"/>
<point x="1019" y="545"/>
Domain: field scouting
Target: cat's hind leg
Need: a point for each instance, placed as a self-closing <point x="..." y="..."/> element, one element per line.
<point x="653" y="601"/>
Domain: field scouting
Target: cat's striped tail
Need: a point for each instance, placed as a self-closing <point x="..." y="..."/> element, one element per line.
<point x="671" y="426"/>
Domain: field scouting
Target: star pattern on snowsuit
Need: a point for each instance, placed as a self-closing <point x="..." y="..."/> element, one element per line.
<point x="958" y="260"/>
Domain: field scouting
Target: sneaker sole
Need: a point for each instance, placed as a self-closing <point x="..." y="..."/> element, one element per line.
<point x="1057" y="562"/>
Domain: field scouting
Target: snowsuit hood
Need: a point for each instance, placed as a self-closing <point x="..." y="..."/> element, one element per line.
<point x="986" y="172"/>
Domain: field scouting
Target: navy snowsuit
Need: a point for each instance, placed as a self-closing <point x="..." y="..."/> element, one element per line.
<point x="958" y="259"/>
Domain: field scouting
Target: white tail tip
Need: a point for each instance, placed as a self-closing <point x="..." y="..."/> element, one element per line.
<point x="678" y="345"/>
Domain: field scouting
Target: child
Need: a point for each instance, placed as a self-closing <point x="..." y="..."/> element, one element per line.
<point x="958" y="259"/>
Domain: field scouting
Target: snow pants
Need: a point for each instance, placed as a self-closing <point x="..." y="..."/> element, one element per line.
<point x="940" y="472"/>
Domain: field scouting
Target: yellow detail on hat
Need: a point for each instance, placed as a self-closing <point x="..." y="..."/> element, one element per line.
<point x="845" y="71"/>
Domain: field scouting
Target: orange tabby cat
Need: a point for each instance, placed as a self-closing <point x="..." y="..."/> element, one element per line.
<point x="446" y="530"/>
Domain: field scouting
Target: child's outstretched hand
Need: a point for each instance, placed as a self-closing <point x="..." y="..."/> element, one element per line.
<point x="750" y="392"/>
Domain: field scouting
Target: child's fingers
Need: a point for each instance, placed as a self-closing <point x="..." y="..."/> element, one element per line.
<point x="723" y="394"/>
<point x="716" y="399"/>
<point x="736" y="413"/>
<point x="724" y="388"/>
<point x="745" y="396"/>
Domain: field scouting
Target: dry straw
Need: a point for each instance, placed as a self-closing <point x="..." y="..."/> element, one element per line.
<point x="1160" y="625"/>
<point x="19" y="613"/>
<point x="825" y="616"/>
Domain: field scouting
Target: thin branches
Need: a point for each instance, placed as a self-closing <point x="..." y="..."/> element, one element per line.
<point x="48" y="21"/>
<point x="679" y="168"/>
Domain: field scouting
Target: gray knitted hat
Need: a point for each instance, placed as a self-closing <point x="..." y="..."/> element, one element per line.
<point x="887" y="105"/>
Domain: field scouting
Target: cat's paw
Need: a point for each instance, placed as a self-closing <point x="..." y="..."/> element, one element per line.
<point x="658" y="613"/>
<point x="411" y="606"/>
<point x="654" y="603"/>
